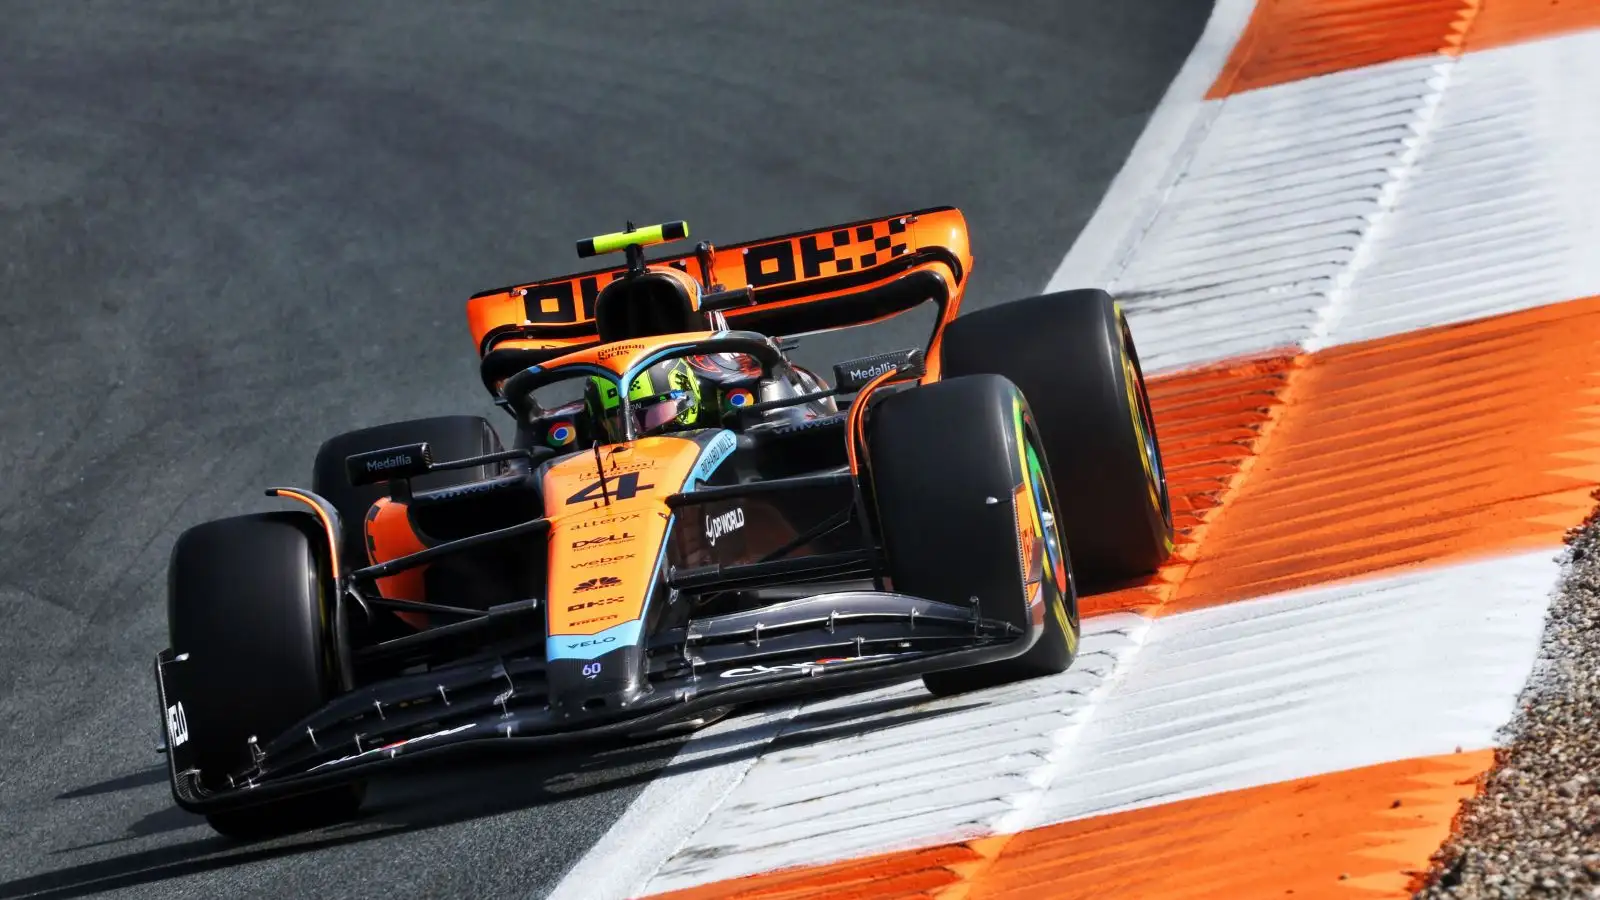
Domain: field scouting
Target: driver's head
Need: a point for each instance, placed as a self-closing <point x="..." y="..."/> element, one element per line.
<point x="663" y="398"/>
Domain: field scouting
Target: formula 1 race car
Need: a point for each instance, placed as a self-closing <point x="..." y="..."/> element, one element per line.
<point x="686" y="520"/>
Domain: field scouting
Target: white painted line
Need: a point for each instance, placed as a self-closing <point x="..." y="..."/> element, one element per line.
<point x="1312" y="681"/>
<point x="896" y="769"/>
<point x="1248" y="252"/>
<point x="671" y="807"/>
<point x="1499" y="209"/>
<point x="1156" y="161"/>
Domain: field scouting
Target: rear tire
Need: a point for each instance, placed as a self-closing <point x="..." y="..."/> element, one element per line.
<point x="1072" y="355"/>
<point x="449" y="437"/>
<point x="248" y="598"/>
<point x="938" y="454"/>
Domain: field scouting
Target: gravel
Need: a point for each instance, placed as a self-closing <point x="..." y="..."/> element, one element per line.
<point x="1534" y="831"/>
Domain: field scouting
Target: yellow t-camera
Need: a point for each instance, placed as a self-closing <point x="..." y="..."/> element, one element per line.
<point x="641" y="237"/>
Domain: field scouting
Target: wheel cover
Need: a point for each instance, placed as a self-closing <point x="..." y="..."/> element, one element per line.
<point x="1044" y="513"/>
<point x="1041" y="510"/>
<point x="1152" y="453"/>
<point x="1144" y="423"/>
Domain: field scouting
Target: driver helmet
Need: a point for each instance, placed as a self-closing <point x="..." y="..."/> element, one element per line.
<point x="663" y="398"/>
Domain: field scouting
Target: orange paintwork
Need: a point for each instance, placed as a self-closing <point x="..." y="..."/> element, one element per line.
<point x="390" y="536"/>
<point x="1432" y="446"/>
<point x="855" y="437"/>
<point x="943" y="270"/>
<point x="1502" y="22"/>
<point x="544" y="343"/>
<point x="619" y="355"/>
<point x="640" y="476"/>
<point x="1291" y="40"/>
<point x="328" y="530"/>
<point x="1209" y="422"/>
<point x="1375" y="456"/>
<point x="1350" y="835"/>
<point x="765" y="263"/>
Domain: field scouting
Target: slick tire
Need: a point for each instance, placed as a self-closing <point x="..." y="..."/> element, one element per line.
<point x="958" y="472"/>
<point x="248" y="599"/>
<point x="448" y="437"/>
<point x="1072" y="354"/>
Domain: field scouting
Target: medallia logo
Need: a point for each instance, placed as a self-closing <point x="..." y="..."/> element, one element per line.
<point x="868" y="373"/>
<point x="378" y="465"/>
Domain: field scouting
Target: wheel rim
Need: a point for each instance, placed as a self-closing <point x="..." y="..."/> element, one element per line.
<point x="1147" y="423"/>
<point x="1044" y="509"/>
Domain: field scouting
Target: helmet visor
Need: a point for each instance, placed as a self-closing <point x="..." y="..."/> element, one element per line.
<point x="652" y="413"/>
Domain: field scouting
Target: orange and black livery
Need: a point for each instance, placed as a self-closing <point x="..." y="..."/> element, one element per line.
<point x="684" y="519"/>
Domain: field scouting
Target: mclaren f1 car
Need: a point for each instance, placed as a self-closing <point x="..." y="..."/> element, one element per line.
<point x="686" y="520"/>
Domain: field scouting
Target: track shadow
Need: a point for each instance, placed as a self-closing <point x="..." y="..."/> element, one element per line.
<point x="1087" y="588"/>
<point x="145" y="778"/>
<point x="437" y="794"/>
<point x="167" y="818"/>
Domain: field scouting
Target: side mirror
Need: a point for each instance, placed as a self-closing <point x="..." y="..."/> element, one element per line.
<point x="853" y="375"/>
<point x="393" y="464"/>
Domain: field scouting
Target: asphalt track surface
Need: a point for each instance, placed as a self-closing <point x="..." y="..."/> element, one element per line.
<point x="228" y="231"/>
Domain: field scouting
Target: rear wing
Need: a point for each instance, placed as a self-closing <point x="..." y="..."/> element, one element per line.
<point x="835" y="277"/>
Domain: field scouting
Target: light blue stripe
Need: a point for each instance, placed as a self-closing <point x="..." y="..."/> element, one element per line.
<point x="581" y="646"/>
<point x="715" y="452"/>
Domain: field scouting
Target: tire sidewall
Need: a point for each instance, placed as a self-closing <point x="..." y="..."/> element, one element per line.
<point x="249" y="601"/>
<point x="1071" y="355"/>
<point x="954" y="510"/>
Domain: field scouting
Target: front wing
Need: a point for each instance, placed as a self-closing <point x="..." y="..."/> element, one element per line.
<point x="823" y="643"/>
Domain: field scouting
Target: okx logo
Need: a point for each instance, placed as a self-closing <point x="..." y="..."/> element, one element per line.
<point x="591" y="604"/>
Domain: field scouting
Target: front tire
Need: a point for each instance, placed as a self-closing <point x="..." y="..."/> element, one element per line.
<point x="963" y="493"/>
<point x="249" y="599"/>
<point x="1072" y="354"/>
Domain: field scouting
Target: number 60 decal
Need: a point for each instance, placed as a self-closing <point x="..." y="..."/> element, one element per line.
<point x="590" y="670"/>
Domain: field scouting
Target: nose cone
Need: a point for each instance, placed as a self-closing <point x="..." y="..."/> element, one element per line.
<point x="611" y="682"/>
